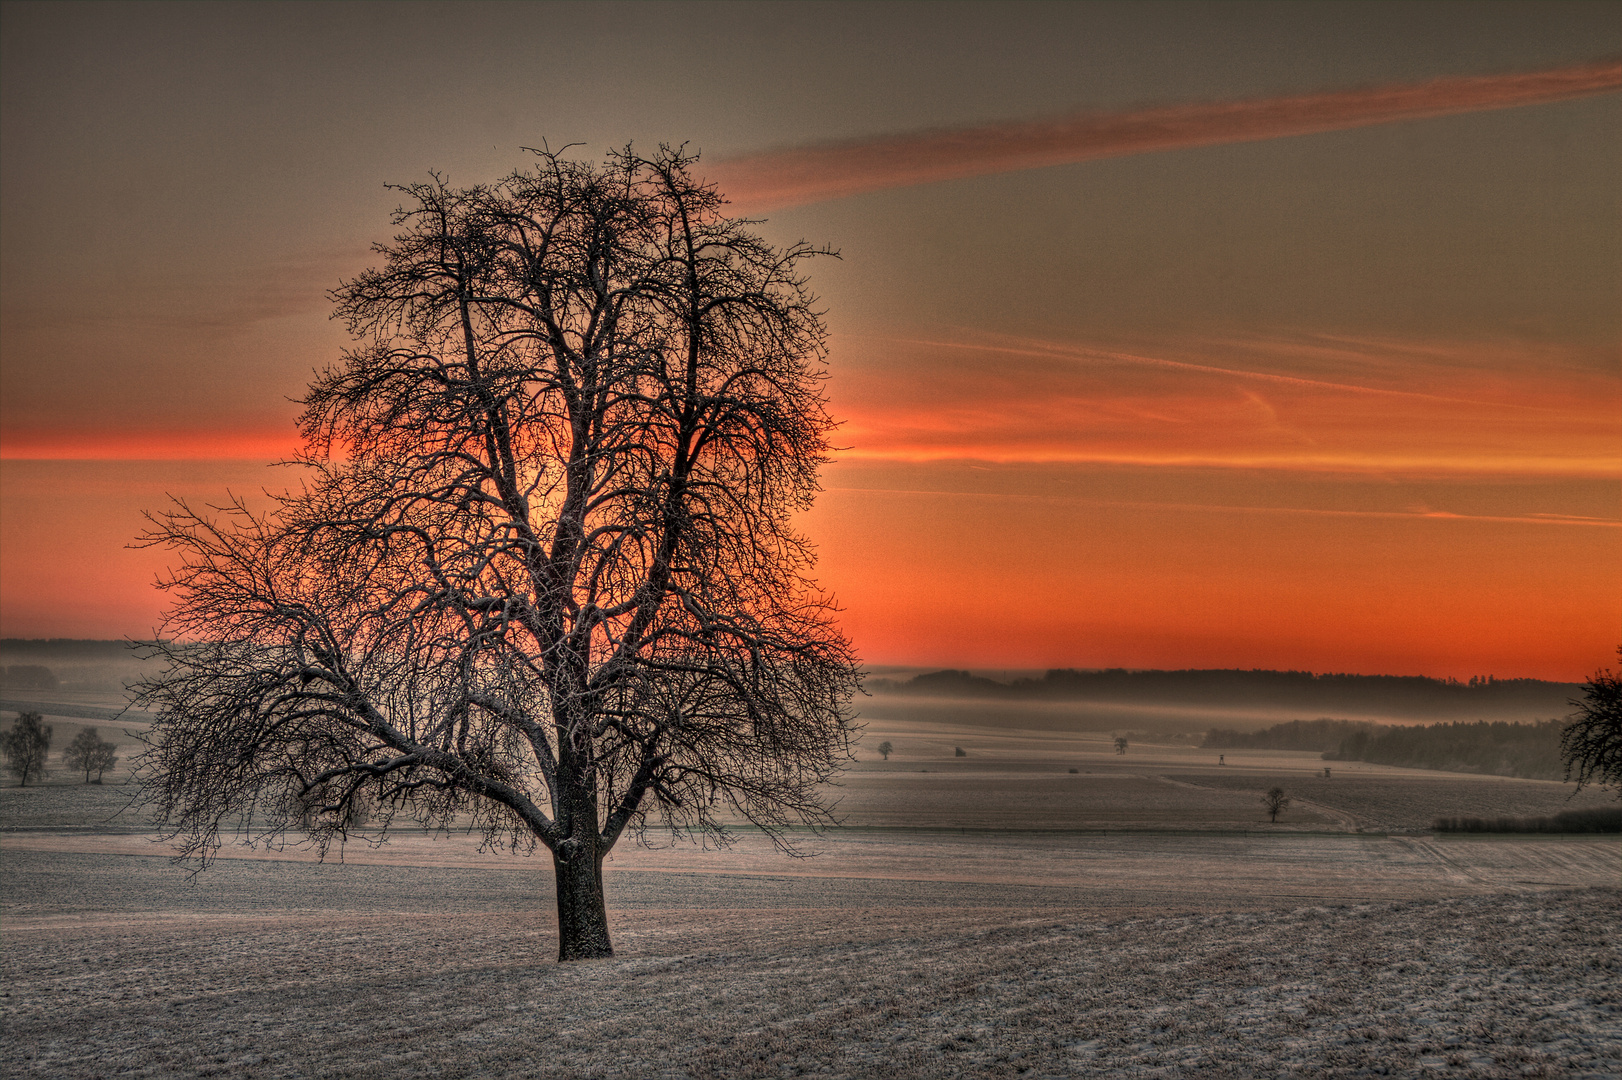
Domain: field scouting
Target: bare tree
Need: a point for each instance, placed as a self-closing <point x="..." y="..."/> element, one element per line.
<point x="27" y="745"/>
<point x="1591" y="744"/>
<point x="886" y="748"/>
<point x="106" y="758"/>
<point x="90" y="753"/>
<point x="542" y="578"/>
<point x="1276" y="802"/>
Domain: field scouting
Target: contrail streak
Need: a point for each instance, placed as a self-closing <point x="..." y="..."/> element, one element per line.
<point x="1062" y="353"/>
<point x="809" y="174"/>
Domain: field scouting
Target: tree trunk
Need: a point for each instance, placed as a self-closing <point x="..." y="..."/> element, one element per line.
<point x="582" y="913"/>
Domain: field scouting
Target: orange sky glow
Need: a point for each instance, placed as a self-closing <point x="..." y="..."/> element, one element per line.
<point x="1160" y="337"/>
<point x="1449" y="412"/>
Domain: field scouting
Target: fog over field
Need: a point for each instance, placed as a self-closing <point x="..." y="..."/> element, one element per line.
<point x="1188" y="701"/>
<point x="1042" y="905"/>
<point x="84" y="679"/>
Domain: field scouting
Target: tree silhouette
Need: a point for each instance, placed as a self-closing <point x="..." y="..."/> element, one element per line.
<point x="542" y="575"/>
<point x="26" y="746"/>
<point x="1276" y="802"/>
<point x="1591" y="745"/>
<point x="886" y="749"/>
<point x="1120" y="744"/>
<point x="90" y="753"/>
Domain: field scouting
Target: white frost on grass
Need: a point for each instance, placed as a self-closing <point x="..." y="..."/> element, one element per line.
<point x="1480" y="986"/>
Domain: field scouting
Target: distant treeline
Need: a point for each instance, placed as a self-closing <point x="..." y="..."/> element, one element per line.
<point x="1161" y="738"/>
<point x="1387" y="695"/>
<point x="1320" y="736"/>
<point x="68" y="664"/>
<point x="1603" y="819"/>
<point x="27" y="677"/>
<point x="68" y="650"/>
<point x="1526" y="750"/>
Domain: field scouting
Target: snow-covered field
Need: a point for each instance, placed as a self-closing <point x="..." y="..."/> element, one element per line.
<point x="1521" y="985"/>
<point x="997" y="915"/>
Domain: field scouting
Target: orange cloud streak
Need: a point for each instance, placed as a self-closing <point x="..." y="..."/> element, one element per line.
<point x="177" y="445"/>
<point x="809" y="174"/>
<point x="1216" y="508"/>
<point x="1214" y="404"/>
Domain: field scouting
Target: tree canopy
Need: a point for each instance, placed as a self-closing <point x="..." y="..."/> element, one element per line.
<point x="542" y="576"/>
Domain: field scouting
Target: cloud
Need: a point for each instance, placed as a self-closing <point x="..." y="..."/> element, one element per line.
<point x="1381" y="407"/>
<point x="1042" y="349"/>
<point x="1197" y="403"/>
<point x="165" y="445"/>
<point x="1221" y="508"/>
<point x="810" y="174"/>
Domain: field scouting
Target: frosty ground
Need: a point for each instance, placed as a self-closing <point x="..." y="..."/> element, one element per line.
<point x="995" y="915"/>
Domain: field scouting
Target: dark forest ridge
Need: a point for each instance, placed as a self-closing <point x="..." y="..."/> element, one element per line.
<point x="1380" y="694"/>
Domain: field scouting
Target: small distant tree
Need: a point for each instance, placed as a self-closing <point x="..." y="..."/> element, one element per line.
<point x="26" y="746"/>
<point x="1120" y="744"/>
<point x="886" y="749"/>
<point x="1276" y="802"/>
<point x="1591" y="745"/>
<point x="90" y="753"/>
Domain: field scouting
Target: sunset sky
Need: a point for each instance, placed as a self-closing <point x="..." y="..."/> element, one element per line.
<point x="1163" y="335"/>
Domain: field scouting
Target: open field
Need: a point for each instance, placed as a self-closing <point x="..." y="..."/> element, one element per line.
<point x="990" y="915"/>
<point x="1489" y="986"/>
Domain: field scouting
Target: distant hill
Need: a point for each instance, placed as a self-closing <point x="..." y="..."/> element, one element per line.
<point x="67" y="664"/>
<point x="84" y="650"/>
<point x="1414" y="696"/>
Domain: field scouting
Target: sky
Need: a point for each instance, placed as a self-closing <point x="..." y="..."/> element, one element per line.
<point x="1162" y="335"/>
